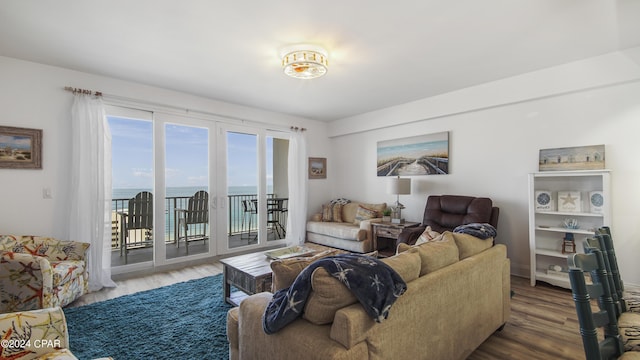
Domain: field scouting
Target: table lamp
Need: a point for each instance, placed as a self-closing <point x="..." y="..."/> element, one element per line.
<point x="398" y="186"/>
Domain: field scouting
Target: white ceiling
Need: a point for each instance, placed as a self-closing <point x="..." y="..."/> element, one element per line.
<point x="382" y="53"/>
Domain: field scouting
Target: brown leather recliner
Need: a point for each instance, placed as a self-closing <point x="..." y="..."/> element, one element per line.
<point x="446" y="212"/>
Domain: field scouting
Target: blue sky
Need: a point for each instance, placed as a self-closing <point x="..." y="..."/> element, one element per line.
<point x="186" y="155"/>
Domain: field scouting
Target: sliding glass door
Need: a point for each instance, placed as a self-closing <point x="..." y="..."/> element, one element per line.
<point x="187" y="192"/>
<point x="187" y="188"/>
<point x="253" y="212"/>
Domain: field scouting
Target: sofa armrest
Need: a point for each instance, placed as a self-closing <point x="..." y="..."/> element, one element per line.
<point x="365" y="226"/>
<point x="26" y="282"/>
<point x="410" y="235"/>
<point x="34" y="326"/>
<point x="351" y="325"/>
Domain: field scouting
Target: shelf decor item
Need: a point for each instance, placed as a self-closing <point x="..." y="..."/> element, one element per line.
<point x="568" y="244"/>
<point x="571" y="224"/>
<point x="596" y="202"/>
<point x="569" y="201"/>
<point x="572" y="158"/>
<point x="544" y="201"/>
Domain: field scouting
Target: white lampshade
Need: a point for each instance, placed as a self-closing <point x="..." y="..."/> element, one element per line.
<point x="399" y="186"/>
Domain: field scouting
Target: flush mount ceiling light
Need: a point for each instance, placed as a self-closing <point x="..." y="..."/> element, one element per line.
<point x="304" y="61"/>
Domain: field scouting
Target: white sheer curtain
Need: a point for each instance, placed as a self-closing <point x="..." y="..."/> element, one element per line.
<point x="297" y="214"/>
<point x="90" y="214"/>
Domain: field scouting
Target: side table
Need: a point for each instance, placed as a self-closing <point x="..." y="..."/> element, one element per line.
<point x="388" y="231"/>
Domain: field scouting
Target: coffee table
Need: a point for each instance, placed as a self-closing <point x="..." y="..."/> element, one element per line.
<point x="250" y="273"/>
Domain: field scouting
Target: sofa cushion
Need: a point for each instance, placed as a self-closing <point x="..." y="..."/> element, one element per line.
<point x="65" y="271"/>
<point x="364" y="213"/>
<point x="343" y="230"/>
<point x="469" y="245"/>
<point x="328" y="296"/>
<point x="285" y="271"/>
<point x="435" y="254"/>
<point x="406" y="264"/>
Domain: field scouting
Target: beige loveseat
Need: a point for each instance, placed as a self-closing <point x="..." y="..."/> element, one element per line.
<point x="345" y="226"/>
<point x="458" y="294"/>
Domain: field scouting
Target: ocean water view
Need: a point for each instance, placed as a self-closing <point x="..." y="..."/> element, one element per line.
<point x="185" y="191"/>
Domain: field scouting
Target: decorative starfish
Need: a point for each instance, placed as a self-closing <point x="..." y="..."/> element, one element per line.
<point x="569" y="199"/>
<point x="291" y="303"/>
<point x="341" y="274"/>
<point x="376" y="282"/>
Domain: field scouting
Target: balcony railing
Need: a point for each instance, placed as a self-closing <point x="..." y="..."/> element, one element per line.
<point x="139" y="237"/>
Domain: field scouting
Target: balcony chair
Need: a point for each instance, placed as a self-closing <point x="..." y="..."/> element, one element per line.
<point x="446" y="212"/>
<point x="249" y="210"/>
<point x="139" y="216"/>
<point x="196" y="214"/>
<point x="613" y="344"/>
<point x="277" y="211"/>
<point x="40" y="272"/>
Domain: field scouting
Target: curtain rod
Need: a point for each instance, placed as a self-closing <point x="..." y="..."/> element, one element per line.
<point x="82" y="91"/>
<point x="117" y="100"/>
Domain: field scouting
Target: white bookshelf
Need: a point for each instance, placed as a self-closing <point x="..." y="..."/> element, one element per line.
<point x="546" y="229"/>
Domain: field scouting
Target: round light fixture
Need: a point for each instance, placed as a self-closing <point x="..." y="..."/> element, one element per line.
<point x="304" y="61"/>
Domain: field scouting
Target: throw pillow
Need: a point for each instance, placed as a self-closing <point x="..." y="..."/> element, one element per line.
<point x="285" y="271"/>
<point x="435" y="255"/>
<point x="327" y="212"/>
<point x="328" y="296"/>
<point x="406" y="264"/>
<point x="469" y="245"/>
<point x="364" y="213"/>
<point x="428" y="235"/>
<point x="337" y="212"/>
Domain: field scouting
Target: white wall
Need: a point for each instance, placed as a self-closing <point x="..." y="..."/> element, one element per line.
<point x="496" y="131"/>
<point x="32" y="96"/>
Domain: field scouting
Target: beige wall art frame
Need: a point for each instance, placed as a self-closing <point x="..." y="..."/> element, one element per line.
<point x="317" y="168"/>
<point x="20" y="148"/>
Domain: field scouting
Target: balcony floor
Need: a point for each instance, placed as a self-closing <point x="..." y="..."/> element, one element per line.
<point x="195" y="247"/>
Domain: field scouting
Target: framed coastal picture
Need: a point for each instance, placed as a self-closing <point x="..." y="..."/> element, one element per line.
<point x="415" y="155"/>
<point x="20" y="148"/>
<point x="317" y="168"/>
<point x="572" y="158"/>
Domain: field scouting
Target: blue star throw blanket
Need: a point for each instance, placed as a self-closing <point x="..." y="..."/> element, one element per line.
<point x="482" y="231"/>
<point x="374" y="284"/>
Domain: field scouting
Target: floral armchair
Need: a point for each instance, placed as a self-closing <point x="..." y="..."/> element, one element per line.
<point x="35" y="334"/>
<point x="40" y="272"/>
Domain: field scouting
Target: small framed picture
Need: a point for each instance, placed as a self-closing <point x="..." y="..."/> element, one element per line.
<point x="20" y="148"/>
<point x="317" y="168"/>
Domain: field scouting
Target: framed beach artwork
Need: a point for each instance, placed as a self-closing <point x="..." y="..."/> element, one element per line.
<point x="415" y="155"/>
<point x="572" y="158"/>
<point x="20" y="148"/>
<point x="317" y="168"/>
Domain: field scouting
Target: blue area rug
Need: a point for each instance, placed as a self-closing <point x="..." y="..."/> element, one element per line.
<point x="183" y="321"/>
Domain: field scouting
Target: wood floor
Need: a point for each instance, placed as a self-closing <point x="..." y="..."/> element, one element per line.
<point x="543" y="323"/>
